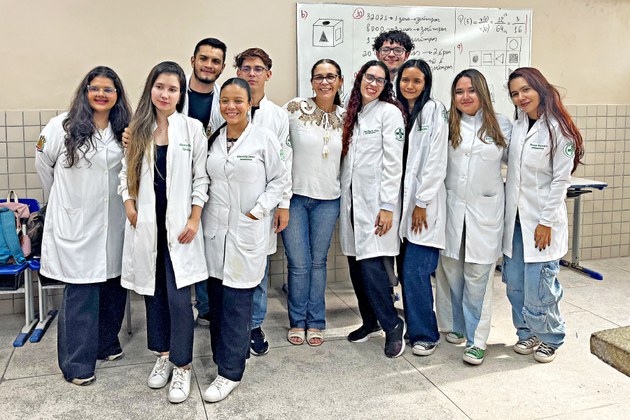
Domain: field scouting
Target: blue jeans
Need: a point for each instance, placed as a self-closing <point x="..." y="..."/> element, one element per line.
<point x="370" y="281"/>
<point x="418" y="264"/>
<point x="260" y="298"/>
<point x="534" y="292"/>
<point x="306" y="243"/>
<point x="88" y="326"/>
<point x="201" y="297"/>
<point x="170" y="322"/>
<point x="230" y="318"/>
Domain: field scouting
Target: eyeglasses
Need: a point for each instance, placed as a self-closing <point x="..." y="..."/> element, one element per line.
<point x="319" y="79"/>
<point x="370" y="78"/>
<point x="398" y="51"/>
<point x="257" y="69"/>
<point x="106" y="90"/>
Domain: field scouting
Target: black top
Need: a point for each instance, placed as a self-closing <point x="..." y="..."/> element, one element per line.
<point x="531" y="122"/>
<point x="159" y="186"/>
<point x="200" y="106"/>
<point x="254" y="109"/>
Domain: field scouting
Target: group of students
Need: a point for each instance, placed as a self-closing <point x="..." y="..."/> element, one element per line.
<point x="208" y="177"/>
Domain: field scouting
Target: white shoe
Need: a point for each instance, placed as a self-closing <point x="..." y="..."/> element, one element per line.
<point x="180" y="385"/>
<point x="219" y="389"/>
<point x="160" y="373"/>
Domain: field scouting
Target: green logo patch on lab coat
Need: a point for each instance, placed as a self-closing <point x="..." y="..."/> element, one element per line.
<point x="569" y="149"/>
<point x="400" y="134"/>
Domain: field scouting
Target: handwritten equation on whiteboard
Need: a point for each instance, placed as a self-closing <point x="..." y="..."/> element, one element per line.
<point x="495" y="41"/>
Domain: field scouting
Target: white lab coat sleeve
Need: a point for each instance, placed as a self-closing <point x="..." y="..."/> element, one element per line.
<point x="506" y="128"/>
<point x="562" y="163"/>
<point x="276" y="176"/>
<point x="393" y="141"/>
<point x="200" y="181"/>
<point x="434" y="170"/>
<point x="123" y="191"/>
<point x="50" y="146"/>
<point x="288" y="160"/>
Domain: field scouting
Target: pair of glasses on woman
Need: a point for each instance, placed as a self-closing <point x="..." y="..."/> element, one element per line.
<point x="369" y="78"/>
<point x="330" y="78"/>
<point x="106" y="90"/>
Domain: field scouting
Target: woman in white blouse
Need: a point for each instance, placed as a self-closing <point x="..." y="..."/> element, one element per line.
<point x="315" y="128"/>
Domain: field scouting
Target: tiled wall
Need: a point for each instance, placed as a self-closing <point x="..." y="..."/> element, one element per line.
<point x="605" y="214"/>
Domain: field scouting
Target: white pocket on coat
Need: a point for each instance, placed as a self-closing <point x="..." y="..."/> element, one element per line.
<point x="489" y="210"/>
<point x="251" y="233"/>
<point x="69" y="223"/>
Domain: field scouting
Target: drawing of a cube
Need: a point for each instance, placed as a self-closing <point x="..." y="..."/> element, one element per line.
<point x="327" y="32"/>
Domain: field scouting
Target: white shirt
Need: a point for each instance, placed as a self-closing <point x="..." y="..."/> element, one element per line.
<point x="83" y="234"/>
<point x="424" y="176"/>
<point x="371" y="173"/>
<point x="250" y="178"/>
<point x="536" y="187"/>
<point x="475" y="192"/>
<point x="310" y="130"/>
<point x="186" y="185"/>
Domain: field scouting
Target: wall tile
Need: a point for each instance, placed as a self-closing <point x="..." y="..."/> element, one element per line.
<point x="14" y="118"/>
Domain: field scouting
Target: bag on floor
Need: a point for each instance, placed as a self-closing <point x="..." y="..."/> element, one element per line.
<point x="15" y="245"/>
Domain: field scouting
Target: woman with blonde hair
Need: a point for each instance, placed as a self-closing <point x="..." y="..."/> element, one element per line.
<point x="164" y="186"/>
<point x="478" y="141"/>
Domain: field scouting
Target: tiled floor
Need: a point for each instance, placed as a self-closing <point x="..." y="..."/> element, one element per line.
<point x="344" y="380"/>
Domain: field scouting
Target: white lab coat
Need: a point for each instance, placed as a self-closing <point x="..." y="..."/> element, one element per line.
<point x="186" y="185"/>
<point x="536" y="187"/>
<point x="424" y="176"/>
<point x="475" y="193"/>
<point x="83" y="235"/>
<point x="215" y="113"/>
<point x="371" y="173"/>
<point x="276" y="120"/>
<point x="249" y="179"/>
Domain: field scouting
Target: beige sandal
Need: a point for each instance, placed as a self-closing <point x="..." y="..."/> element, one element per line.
<point x="296" y="337"/>
<point x="314" y="335"/>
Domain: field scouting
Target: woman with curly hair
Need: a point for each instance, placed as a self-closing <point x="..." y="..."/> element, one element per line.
<point x="78" y="159"/>
<point x="372" y="153"/>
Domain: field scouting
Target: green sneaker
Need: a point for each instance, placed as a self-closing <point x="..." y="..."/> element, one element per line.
<point x="455" y="337"/>
<point x="474" y="355"/>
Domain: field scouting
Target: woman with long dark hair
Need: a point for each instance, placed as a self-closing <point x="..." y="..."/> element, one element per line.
<point x="78" y="161"/>
<point x="478" y="141"/>
<point x="315" y="128"/>
<point x="248" y="177"/>
<point x="164" y="187"/>
<point x="423" y="219"/>
<point x="372" y="148"/>
<point x="546" y="148"/>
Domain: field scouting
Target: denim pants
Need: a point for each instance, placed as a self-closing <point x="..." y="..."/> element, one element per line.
<point x="534" y="291"/>
<point x="260" y="298"/>
<point x="466" y="301"/>
<point x="230" y="322"/>
<point x="419" y="262"/>
<point x="306" y="242"/>
<point x="372" y="288"/>
<point x="170" y="321"/>
<point x="88" y="326"/>
<point x="201" y="298"/>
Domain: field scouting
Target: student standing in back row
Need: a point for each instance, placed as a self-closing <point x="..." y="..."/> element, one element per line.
<point x="254" y="66"/>
<point x="546" y="148"/>
<point x="393" y="49"/>
<point x="78" y="161"/>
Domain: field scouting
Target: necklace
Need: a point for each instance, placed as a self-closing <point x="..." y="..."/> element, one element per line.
<point x="327" y="127"/>
<point x="230" y="143"/>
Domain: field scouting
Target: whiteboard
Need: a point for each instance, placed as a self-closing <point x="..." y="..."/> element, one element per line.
<point x="493" y="41"/>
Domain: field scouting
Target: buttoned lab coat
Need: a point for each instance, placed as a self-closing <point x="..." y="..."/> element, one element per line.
<point x="83" y="234"/>
<point x="371" y="173"/>
<point x="249" y="179"/>
<point x="475" y="192"/>
<point x="276" y="119"/>
<point x="424" y="176"/>
<point x="186" y="185"/>
<point x="536" y="187"/>
<point x="216" y="119"/>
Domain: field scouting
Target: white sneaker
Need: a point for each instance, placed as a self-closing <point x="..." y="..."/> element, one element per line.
<point x="180" y="385"/>
<point x="160" y="373"/>
<point x="219" y="389"/>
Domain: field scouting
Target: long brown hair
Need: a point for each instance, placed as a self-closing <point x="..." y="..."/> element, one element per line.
<point x="355" y="104"/>
<point x="489" y="125"/>
<point x="551" y="106"/>
<point x="141" y="126"/>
